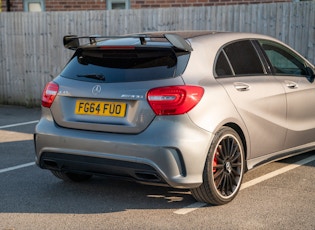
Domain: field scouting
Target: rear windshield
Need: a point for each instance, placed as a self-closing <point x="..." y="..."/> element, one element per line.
<point x="125" y="65"/>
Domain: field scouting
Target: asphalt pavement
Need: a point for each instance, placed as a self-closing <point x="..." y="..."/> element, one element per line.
<point x="279" y="195"/>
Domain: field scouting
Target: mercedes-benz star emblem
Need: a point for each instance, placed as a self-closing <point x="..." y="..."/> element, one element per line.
<point x="96" y="90"/>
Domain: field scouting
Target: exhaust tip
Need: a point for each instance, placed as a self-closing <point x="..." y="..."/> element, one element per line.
<point x="148" y="176"/>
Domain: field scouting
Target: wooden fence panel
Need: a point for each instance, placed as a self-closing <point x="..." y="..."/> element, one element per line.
<point x="31" y="51"/>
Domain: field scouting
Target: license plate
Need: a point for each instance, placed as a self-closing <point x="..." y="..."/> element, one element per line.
<point x="100" y="108"/>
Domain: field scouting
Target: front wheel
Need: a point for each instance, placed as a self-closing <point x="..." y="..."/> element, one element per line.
<point x="224" y="169"/>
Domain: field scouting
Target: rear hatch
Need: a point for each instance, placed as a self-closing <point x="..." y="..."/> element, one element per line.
<point x="104" y="85"/>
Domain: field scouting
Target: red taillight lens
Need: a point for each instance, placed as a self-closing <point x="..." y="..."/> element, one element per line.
<point x="49" y="94"/>
<point x="174" y="100"/>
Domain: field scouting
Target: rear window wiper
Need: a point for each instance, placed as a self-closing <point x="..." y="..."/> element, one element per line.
<point x="100" y="77"/>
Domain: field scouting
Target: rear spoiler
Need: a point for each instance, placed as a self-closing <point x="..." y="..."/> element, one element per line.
<point x="72" y="42"/>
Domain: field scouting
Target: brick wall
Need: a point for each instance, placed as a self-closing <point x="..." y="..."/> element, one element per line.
<point x="60" y="5"/>
<point x="74" y="5"/>
<point x="68" y="5"/>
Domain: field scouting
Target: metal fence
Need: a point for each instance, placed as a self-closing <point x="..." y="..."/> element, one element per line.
<point x="31" y="51"/>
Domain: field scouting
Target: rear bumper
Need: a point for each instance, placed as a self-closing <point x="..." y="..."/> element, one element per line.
<point x="172" y="150"/>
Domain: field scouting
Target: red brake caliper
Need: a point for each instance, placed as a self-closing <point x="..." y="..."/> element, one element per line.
<point x="215" y="161"/>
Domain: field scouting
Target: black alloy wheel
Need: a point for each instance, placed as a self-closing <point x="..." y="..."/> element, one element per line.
<point x="224" y="169"/>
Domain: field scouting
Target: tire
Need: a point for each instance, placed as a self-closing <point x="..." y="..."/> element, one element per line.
<point x="71" y="177"/>
<point x="224" y="169"/>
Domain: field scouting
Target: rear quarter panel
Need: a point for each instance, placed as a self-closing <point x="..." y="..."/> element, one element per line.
<point x="215" y="108"/>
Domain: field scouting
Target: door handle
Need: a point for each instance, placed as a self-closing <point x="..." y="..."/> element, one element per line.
<point x="291" y="84"/>
<point x="240" y="86"/>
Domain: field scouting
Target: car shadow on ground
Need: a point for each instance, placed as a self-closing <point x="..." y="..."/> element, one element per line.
<point x="39" y="192"/>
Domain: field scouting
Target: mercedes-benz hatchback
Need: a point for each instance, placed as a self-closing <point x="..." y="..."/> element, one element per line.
<point x="192" y="110"/>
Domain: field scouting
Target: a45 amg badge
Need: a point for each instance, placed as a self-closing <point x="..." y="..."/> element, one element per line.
<point x="96" y="90"/>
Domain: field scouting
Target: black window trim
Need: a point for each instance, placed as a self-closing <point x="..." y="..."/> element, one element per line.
<point x="263" y="57"/>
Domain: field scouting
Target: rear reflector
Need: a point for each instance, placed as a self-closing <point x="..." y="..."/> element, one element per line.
<point x="49" y="94"/>
<point x="174" y="100"/>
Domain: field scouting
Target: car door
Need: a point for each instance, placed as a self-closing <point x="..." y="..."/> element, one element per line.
<point x="293" y="72"/>
<point x="258" y="96"/>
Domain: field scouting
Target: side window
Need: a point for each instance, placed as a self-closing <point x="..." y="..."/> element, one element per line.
<point x="222" y="67"/>
<point x="244" y="58"/>
<point x="283" y="60"/>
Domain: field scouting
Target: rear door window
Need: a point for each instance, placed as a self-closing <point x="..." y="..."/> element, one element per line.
<point x="243" y="59"/>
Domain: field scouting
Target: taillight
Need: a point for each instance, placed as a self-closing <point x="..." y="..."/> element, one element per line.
<point x="49" y="94"/>
<point x="174" y="100"/>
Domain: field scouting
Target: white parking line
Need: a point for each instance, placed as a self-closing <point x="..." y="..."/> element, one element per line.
<point x="247" y="184"/>
<point x="18" y="124"/>
<point x="17" y="167"/>
<point x="22" y="165"/>
<point x="277" y="172"/>
<point x="190" y="208"/>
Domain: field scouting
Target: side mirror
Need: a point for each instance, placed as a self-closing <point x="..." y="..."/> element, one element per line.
<point x="71" y="42"/>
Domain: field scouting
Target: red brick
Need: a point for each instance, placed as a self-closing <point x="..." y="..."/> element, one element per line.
<point x="63" y="5"/>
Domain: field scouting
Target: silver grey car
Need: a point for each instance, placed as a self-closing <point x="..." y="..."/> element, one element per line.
<point x="187" y="109"/>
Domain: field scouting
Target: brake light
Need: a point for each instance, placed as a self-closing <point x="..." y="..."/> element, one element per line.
<point x="49" y="94"/>
<point x="174" y="100"/>
<point x="117" y="47"/>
